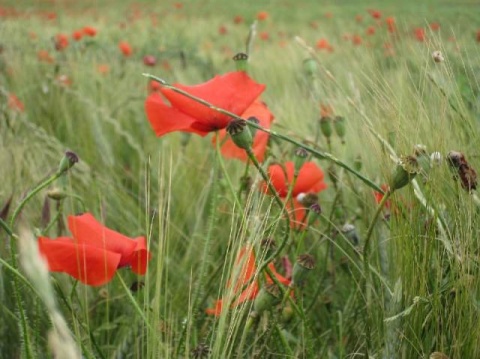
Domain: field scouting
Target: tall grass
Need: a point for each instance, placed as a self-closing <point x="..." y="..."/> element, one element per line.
<point x="421" y="295"/>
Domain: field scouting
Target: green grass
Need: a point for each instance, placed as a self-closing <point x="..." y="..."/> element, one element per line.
<point x="422" y="293"/>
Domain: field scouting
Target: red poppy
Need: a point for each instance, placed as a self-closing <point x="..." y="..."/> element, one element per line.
<point x="371" y="30"/>
<point x="245" y="259"/>
<point x="103" y="68"/>
<point x="61" y="41"/>
<point x="77" y="35"/>
<point x="234" y="92"/>
<point x="435" y="26"/>
<point x="309" y="180"/>
<point x="356" y="40"/>
<point x="376" y="14"/>
<point x="379" y="196"/>
<point x="262" y="16"/>
<point x="153" y="86"/>
<point x="15" y="104"/>
<point x="323" y="44"/>
<point x="44" y="56"/>
<point x="149" y="60"/>
<point x="259" y="110"/>
<point x="419" y="34"/>
<point x="125" y="48"/>
<point x="222" y="30"/>
<point x="358" y="18"/>
<point x="391" y="24"/>
<point x="89" y="31"/>
<point x="238" y="19"/>
<point x="478" y="36"/>
<point x="94" y="252"/>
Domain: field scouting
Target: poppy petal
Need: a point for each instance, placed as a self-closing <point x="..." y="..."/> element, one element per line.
<point x="165" y="119"/>
<point x="234" y="92"/>
<point x="140" y="256"/>
<point x="217" y="309"/>
<point x="87" y="230"/>
<point x="310" y="179"/>
<point x="276" y="173"/>
<point x="90" y="265"/>
<point x="280" y="278"/>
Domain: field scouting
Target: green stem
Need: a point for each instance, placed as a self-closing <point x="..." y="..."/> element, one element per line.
<point x="316" y="153"/>
<point x="6" y="227"/>
<point x="366" y="266"/>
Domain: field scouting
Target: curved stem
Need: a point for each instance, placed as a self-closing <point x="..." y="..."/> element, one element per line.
<point x="316" y="153"/>
<point x="366" y="266"/>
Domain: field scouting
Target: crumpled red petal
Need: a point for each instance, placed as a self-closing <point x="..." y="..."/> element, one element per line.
<point x="140" y="256"/>
<point x="91" y="265"/>
<point x="310" y="179"/>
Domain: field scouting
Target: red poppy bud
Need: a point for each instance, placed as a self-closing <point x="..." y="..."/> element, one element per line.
<point x="149" y="60"/>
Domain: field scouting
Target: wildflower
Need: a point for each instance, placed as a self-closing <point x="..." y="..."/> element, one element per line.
<point x="103" y="68"/>
<point x="234" y="92"/>
<point x="238" y="19"/>
<point x="478" y="36"/>
<point x="125" y="48"/>
<point x="356" y="40"/>
<point x="77" y="35"/>
<point x="379" y="196"/>
<point x="376" y="14"/>
<point x="153" y="86"/>
<point x="323" y="44"/>
<point x="262" y="16"/>
<point x="406" y="169"/>
<point x="264" y="35"/>
<point x="244" y="272"/>
<point x="222" y="30"/>
<point x="15" y="104"/>
<point x="358" y="18"/>
<point x="89" y="31"/>
<point x="61" y="42"/>
<point x="260" y="111"/>
<point x="309" y="181"/>
<point x="94" y="252"/>
<point x="435" y="26"/>
<point x="149" y="60"/>
<point x="419" y="34"/>
<point x="390" y="24"/>
<point x="44" y="56"/>
<point x="371" y="30"/>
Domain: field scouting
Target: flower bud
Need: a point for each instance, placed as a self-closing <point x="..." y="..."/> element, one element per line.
<point x="437" y="56"/>
<point x="357" y="163"/>
<point x="56" y="194"/>
<point x="339" y="126"/>
<point x="67" y="162"/>
<point x="240" y="133"/>
<point x="241" y="61"/>
<point x="314" y="212"/>
<point x="299" y="159"/>
<point x="253" y="130"/>
<point x="268" y="296"/>
<point x="310" y="67"/>
<point x="303" y="266"/>
<point x="326" y="126"/>
<point x="405" y="171"/>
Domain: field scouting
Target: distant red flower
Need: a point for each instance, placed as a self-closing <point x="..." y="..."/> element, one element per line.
<point x="64" y="81"/>
<point x="222" y="30"/>
<point x="61" y="42"/>
<point x="314" y="24"/>
<point x="419" y="34"/>
<point x="371" y="30"/>
<point x="391" y="24"/>
<point x="379" y="196"/>
<point x="125" y="48"/>
<point x="435" y="26"/>
<point x="44" y="56"/>
<point x="376" y="14"/>
<point x="264" y="35"/>
<point x="103" y="68"/>
<point x="245" y="259"/>
<point x="358" y="18"/>
<point x="234" y="92"/>
<point x="89" y="31"/>
<point x="260" y="111"/>
<point x="149" y="60"/>
<point x="178" y="5"/>
<point x="262" y="16"/>
<point x="77" y="35"/>
<point x="356" y="40"/>
<point x="94" y="252"/>
<point x="478" y="35"/>
<point x="15" y="104"/>
<point x="238" y="19"/>
<point x="323" y="44"/>
<point x="328" y="15"/>
<point x="325" y="110"/>
<point x="309" y="180"/>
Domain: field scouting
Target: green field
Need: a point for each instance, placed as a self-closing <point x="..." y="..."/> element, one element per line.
<point x="382" y="96"/>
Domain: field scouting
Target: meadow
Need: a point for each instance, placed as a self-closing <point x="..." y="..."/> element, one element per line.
<point x="211" y="179"/>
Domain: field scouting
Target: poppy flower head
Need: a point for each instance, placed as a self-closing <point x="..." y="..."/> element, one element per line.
<point x="234" y="92"/>
<point x="238" y="19"/>
<point x="262" y="16"/>
<point x="15" y="104"/>
<point x="94" y="252"/>
<point x="44" y="56"/>
<point x="125" y="48"/>
<point x="89" y="31"/>
<point x="419" y="34"/>
<point x="77" y="35"/>
<point x="61" y="42"/>
<point x="370" y="30"/>
<point x="376" y="14"/>
<point x="149" y="60"/>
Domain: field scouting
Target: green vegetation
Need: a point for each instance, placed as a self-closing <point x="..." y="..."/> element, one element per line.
<point x="412" y="291"/>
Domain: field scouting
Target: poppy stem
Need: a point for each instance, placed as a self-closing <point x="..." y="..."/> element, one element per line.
<point x="6" y="227"/>
<point x="316" y="153"/>
<point x="366" y="265"/>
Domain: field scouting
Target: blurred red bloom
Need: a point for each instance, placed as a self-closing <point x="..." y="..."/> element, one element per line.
<point x="125" y="48"/>
<point x="356" y="40"/>
<point x="378" y="196"/>
<point x="44" y="56"/>
<point x="435" y="26"/>
<point x="238" y="19"/>
<point x="260" y="111"/>
<point x="149" y="60"/>
<point x="314" y="24"/>
<point x="478" y="35"/>
<point x="323" y="44"/>
<point x="178" y="5"/>
<point x="61" y="41"/>
<point x="77" y="35"/>
<point x="234" y="92"/>
<point x="309" y="180"/>
<point x="391" y="24"/>
<point x="328" y="15"/>
<point x="246" y="261"/>
<point x="153" y="86"/>
<point x="89" y="31"/>
<point x="358" y="18"/>
<point x="376" y="14"/>
<point x="371" y="30"/>
<point x="94" y="252"/>
<point x="264" y="35"/>
<point x="419" y="34"/>
<point x="222" y="30"/>
<point x="325" y="110"/>
<point x="262" y="16"/>
<point x="15" y="104"/>
<point x="103" y="68"/>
